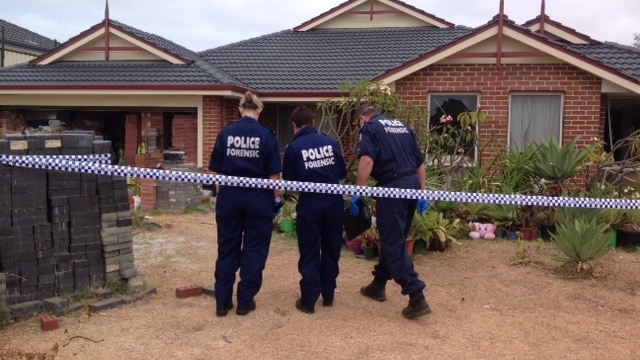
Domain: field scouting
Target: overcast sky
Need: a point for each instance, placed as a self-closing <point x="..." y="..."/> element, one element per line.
<point x="203" y="24"/>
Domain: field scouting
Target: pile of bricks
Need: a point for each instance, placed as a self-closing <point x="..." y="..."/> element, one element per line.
<point x="61" y="232"/>
<point x="176" y="196"/>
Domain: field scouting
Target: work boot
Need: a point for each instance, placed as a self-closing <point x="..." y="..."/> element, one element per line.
<point x="300" y="306"/>
<point x="375" y="290"/>
<point x="222" y="310"/>
<point x="244" y="309"/>
<point x="417" y="306"/>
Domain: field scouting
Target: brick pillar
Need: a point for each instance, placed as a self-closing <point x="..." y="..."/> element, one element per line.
<point x="131" y="139"/>
<point x="148" y="194"/>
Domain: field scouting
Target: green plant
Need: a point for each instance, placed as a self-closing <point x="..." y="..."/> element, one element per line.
<point x="503" y="215"/>
<point x="581" y="235"/>
<point x="556" y="164"/>
<point x="523" y="252"/>
<point x="118" y="287"/>
<point x="5" y="315"/>
<point x="437" y="232"/>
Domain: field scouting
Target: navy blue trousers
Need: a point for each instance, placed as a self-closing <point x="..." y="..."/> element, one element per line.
<point x="393" y="219"/>
<point x="245" y="222"/>
<point x="319" y="228"/>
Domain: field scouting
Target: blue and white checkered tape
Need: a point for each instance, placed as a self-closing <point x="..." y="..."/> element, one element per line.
<point x="100" y="164"/>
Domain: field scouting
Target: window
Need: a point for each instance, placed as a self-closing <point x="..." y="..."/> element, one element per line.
<point x="285" y="129"/>
<point x="534" y="118"/>
<point x="443" y="105"/>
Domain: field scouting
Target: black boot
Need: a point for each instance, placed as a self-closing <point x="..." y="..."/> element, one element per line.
<point x="375" y="290"/>
<point x="222" y="310"/>
<point x="417" y="306"/>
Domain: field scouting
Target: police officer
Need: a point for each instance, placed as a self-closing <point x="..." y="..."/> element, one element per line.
<point x="244" y="215"/>
<point x="388" y="152"/>
<point x="312" y="157"/>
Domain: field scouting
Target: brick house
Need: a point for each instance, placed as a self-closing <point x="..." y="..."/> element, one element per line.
<point x="535" y="80"/>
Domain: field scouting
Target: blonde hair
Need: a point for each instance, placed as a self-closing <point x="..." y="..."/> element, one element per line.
<point x="250" y="101"/>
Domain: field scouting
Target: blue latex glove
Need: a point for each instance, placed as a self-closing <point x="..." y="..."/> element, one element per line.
<point x="278" y="207"/>
<point x="423" y="205"/>
<point x="353" y="205"/>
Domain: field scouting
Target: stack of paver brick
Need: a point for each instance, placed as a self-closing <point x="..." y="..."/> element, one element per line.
<point x="61" y="232"/>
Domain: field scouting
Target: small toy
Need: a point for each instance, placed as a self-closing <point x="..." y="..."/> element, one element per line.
<point x="482" y="230"/>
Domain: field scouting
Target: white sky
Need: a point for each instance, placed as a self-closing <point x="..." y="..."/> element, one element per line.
<point x="203" y="24"/>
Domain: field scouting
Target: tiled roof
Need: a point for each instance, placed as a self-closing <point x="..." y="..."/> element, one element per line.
<point x="197" y="72"/>
<point x="625" y="59"/>
<point x="322" y="60"/>
<point x="107" y="72"/>
<point x="20" y="36"/>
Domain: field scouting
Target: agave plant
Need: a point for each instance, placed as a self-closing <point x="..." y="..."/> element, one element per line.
<point x="581" y="235"/>
<point x="556" y="163"/>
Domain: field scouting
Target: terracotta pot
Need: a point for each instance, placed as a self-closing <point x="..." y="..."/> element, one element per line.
<point x="529" y="234"/>
<point x="410" y="245"/>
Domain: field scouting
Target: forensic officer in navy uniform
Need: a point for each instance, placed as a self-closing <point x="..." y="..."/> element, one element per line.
<point x="244" y="215"/>
<point x="388" y="152"/>
<point x="313" y="157"/>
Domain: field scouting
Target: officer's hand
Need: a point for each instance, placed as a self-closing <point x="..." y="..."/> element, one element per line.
<point x="353" y="205"/>
<point x="423" y="205"/>
<point x="278" y="207"/>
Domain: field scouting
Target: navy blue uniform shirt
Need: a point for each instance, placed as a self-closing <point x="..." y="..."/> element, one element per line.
<point x="313" y="157"/>
<point x="247" y="149"/>
<point x="392" y="146"/>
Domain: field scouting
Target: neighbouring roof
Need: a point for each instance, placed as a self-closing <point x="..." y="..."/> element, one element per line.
<point x="625" y="59"/>
<point x="322" y="60"/>
<point x="19" y="36"/>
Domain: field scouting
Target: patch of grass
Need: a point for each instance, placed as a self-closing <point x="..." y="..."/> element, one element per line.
<point x="83" y="297"/>
<point x="5" y="315"/>
<point x="118" y="287"/>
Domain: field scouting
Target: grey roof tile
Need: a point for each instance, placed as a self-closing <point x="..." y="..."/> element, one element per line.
<point x="17" y="35"/>
<point x="321" y="60"/>
<point x="107" y="72"/>
<point x="625" y="59"/>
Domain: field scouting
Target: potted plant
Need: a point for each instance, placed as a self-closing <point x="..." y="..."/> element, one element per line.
<point x="370" y="242"/>
<point x="286" y="221"/>
<point x="627" y="227"/>
<point x="435" y="230"/>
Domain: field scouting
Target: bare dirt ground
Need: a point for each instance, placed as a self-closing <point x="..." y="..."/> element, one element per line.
<point x="484" y="307"/>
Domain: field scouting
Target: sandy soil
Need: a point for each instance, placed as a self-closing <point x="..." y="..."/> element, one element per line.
<point x="490" y="300"/>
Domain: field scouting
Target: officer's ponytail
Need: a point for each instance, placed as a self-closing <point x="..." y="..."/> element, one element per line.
<point x="250" y="101"/>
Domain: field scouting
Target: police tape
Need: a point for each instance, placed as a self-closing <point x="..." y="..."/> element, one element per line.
<point x="100" y="164"/>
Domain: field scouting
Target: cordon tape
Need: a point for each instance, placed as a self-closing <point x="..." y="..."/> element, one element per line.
<point x="100" y="164"/>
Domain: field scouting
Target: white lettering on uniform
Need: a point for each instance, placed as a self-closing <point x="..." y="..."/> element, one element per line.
<point x="392" y="126"/>
<point x="318" y="157"/>
<point x="243" y="146"/>
<point x="243" y="142"/>
<point x="317" y="153"/>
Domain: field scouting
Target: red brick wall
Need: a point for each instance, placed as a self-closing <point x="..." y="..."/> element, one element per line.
<point x="11" y="122"/>
<point x="213" y="122"/>
<point x="582" y="103"/>
<point x="185" y="133"/>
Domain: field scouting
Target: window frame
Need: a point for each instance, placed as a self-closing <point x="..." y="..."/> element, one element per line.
<point x="456" y="95"/>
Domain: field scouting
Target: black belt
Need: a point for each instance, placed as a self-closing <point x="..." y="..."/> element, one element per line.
<point x="397" y="176"/>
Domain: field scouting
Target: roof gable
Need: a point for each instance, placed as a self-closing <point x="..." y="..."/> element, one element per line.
<point x="109" y="40"/>
<point x="539" y="47"/>
<point x="543" y="25"/>
<point x="373" y="13"/>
